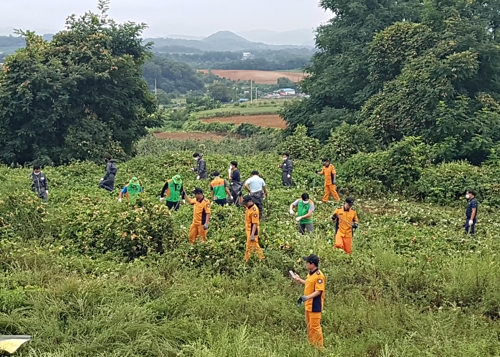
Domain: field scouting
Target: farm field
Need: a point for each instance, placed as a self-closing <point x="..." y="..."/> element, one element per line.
<point x="268" y="121"/>
<point x="262" y="107"/>
<point x="188" y="136"/>
<point x="263" y="77"/>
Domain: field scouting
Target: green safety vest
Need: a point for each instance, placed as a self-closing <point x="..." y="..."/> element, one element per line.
<point x="174" y="194"/>
<point x="219" y="188"/>
<point x="303" y="209"/>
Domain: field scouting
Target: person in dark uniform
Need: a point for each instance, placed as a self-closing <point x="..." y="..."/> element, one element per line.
<point x="235" y="184"/>
<point x="471" y="212"/>
<point x="201" y="167"/>
<point x="287" y="169"/>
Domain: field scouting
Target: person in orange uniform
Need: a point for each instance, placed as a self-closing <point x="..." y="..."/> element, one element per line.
<point x="201" y="216"/>
<point x="330" y="180"/>
<point x="346" y="220"/>
<point x="252" y="222"/>
<point x="314" y="299"/>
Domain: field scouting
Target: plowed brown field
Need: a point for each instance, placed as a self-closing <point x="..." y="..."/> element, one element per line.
<point x="192" y="136"/>
<point x="268" y="120"/>
<point x="263" y="77"/>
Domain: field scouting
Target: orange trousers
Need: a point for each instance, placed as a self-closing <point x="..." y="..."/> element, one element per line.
<point x="314" y="331"/>
<point x="343" y="242"/>
<point x="197" y="230"/>
<point x="331" y="190"/>
<point x="253" y="247"/>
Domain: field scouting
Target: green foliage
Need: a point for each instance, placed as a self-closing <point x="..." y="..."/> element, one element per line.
<point x="83" y="87"/>
<point x="407" y="69"/>
<point x="299" y="145"/>
<point x="219" y="92"/>
<point x="348" y="140"/>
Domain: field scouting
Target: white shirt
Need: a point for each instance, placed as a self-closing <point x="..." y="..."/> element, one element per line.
<point x="255" y="183"/>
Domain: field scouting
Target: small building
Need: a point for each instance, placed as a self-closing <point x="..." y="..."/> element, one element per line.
<point x="247" y="55"/>
<point x="288" y="91"/>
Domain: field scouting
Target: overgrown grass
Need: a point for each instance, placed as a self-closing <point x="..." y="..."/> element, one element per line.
<point x="414" y="286"/>
<point x="256" y="108"/>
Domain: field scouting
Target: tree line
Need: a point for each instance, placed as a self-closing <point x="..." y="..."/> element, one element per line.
<point x="388" y="69"/>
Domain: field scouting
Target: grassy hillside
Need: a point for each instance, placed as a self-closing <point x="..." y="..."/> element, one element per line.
<point x="82" y="275"/>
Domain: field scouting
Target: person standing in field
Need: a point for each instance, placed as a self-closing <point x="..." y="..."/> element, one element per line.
<point x="235" y="183"/>
<point x="173" y="191"/>
<point x="39" y="183"/>
<point x="330" y="181"/>
<point x="131" y="190"/>
<point x="201" y="216"/>
<point x="471" y="212"/>
<point x="346" y="220"/>
<point x="287" y="169"/>
<point x="256" y="187"/>
<point x="108" y="181"/>
<point x="314" y="299"/>
<point x="252" y="225"/>
<point x="305" y="209"/>
<point x="220" y="189"/>
<point x="201" y="167"/>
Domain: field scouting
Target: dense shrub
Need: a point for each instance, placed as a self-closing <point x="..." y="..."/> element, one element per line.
<point x="300" y="146"/>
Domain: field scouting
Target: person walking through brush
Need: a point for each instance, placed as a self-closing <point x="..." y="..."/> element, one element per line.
<point x="39" y="183"/>
<point x="220" y="189"/>
<point x="108" y="181"/>
<point x="201" y="216"/>
<point x="235" y="183"/>
<point x="173" y="191"/>
<point x="346" y="220"/>
<point x="313" y="299"/>
<point x="305" y="209"/>
<point x="471" y="212"/>
<point x="287" y="169"/>
<point x="252" y="225"/>
<point x="201" y="167"/>
<point x="330" y="181"/>
<point x="131" y="190"/>
<point x="256" y="186"/>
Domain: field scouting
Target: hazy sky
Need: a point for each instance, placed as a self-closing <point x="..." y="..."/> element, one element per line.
<point x="165" y="17"/>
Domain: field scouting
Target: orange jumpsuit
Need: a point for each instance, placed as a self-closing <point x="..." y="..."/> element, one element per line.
<point x="315" y="281"/>
<point x="200" y="211"/>
<point x="343" y="238"/>
<point x="330" y="188"/>
<point x="252" y="217"/>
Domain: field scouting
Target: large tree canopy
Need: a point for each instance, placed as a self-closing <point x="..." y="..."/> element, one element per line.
<point x="76" y="96"/>
<point x="405" y="68"/>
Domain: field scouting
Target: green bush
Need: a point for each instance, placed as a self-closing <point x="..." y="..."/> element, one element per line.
<point x="300" y="146"/>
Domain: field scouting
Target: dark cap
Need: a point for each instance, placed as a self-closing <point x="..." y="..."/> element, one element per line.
<point x="349" y="200"/>
<point x="313" y="259"/>
<point x="216" y="173"/>
<point x="196" y="154"/>
<point x="247" y="199"/>
<point x="107" y="156"/>
<point x="325" y="159"/>
<point x="36" y="167"/>
<point x="286" y="154"/>
<point x="197" y="190"/>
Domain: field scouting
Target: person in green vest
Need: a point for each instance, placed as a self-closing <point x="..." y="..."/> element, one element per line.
<point x="305" y="209"/>
<point x="131" y="190"/>
<point x="220" y="189"/>
<point x="173" y="191"/>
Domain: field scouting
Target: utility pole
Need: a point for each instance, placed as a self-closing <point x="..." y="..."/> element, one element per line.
<point x="256" y="94"/>
<point x="155" y="88"/>
<point x="251" y="91"/>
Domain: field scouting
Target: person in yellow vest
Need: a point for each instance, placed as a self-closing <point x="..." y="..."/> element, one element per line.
<point x="313" y="299"/>
<point x="346" y="220"/>
<point x="201" y="216"/>
<point x="330" y="180"/>
<point x="252" y="224"/>
<point x="220" y="189"/>
<point x="305" y="209"/>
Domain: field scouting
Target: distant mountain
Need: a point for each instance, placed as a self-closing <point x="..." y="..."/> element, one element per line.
<point x="295" y="37"/>
<point x="219" y="41"/>
<point x="184" y="37"/>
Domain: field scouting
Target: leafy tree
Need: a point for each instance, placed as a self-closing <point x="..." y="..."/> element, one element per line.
<point x="219" y="92"/>
<point x="77" y="95"/>
<point x="299" y="145"/>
